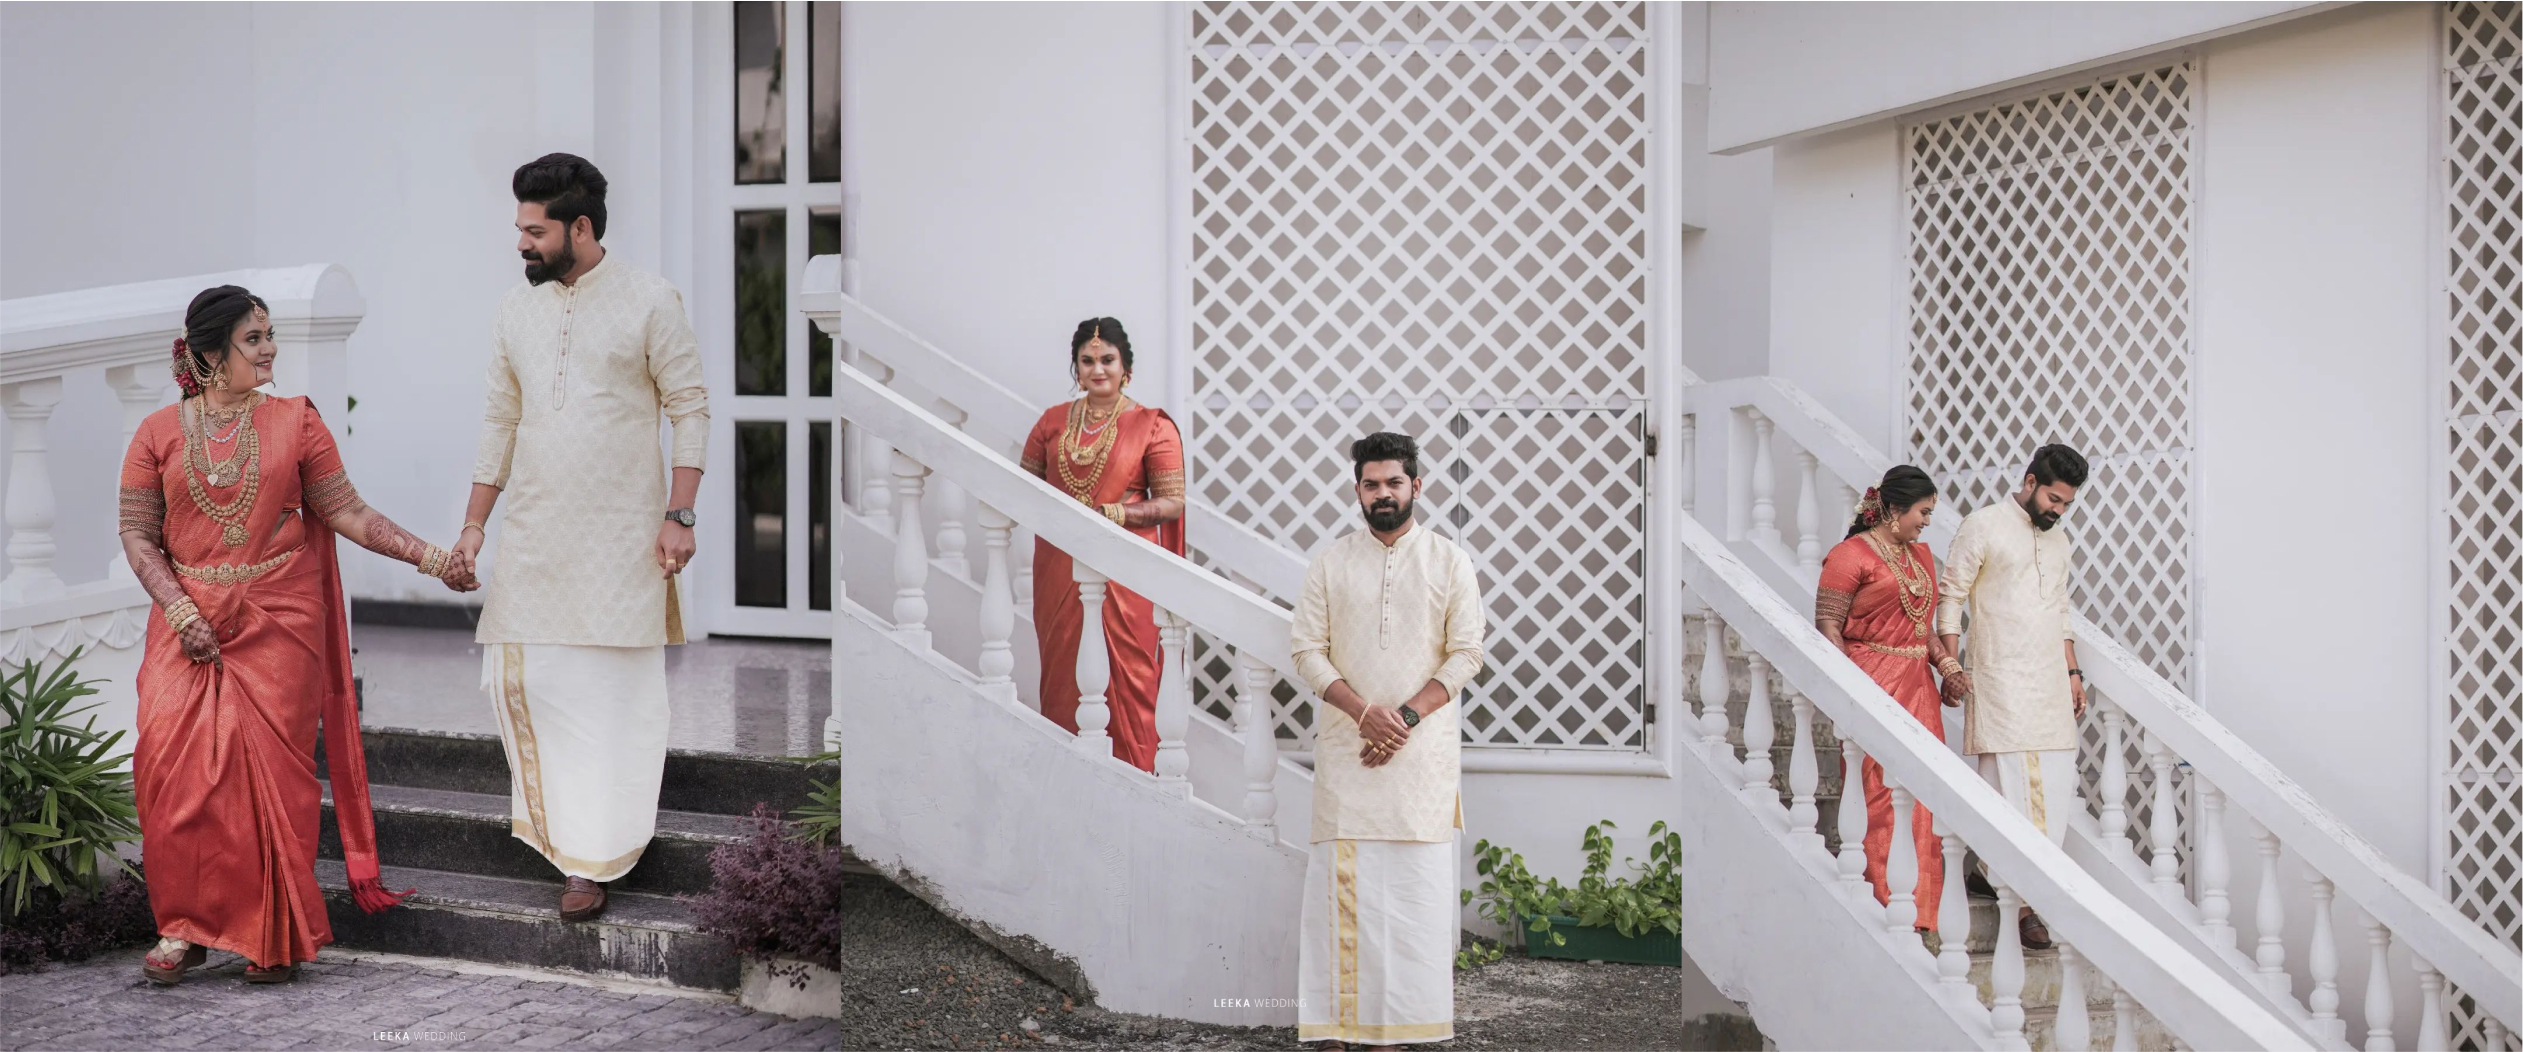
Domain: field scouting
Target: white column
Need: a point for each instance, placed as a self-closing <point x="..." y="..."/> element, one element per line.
<point x="1021" y="549"/>
<point x="1094" y="662"/>
<point x="1953" y="923"/>
<point x="2269" y="916"/>
<point x="1853" y="816"/>
<point x="2073" y="1030"/>
<point x="997" y="662"/>
<point x="1688" y="492"/>
<point x="1759" y="730"/>
<point x="30" y="510"/>
<point x="2378" y="987"/>
<point x="1764" y="480"/>
<point x="1715" y="686"/>
<point x="1901" y="866"/>
<point x="2432" y="1033"/>
<point x="1808" y="515"/>
<point x="2215" y="911"/>
<point x="2006" y="972"/>
<point x="1173" y="704"/>
<point x="2322" y="960"/>
<point x="1804" y="773"/>
<point x="911" y="554"/>
<point x="1257" y="724"/>
<point x="2163" y="825"/>
<point x="2114" y="787"/>
<point x="142" y="389"/>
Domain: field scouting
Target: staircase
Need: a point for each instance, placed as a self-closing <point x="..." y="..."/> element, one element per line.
<point x="442" y="814"/>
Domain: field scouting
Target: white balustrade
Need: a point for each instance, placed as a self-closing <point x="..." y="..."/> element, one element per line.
<point x="1715" y="686"/>
<point x="950" y="501"/>
<point x="997" y="662"/>
<point x="2378" y="987"/>
<point x="2006" y="972"/>
<point x="2433" y="1035"/>
<point x="2322" y="961"/>
<point x="1853" y="815"/>
<point x="2114" y="785"/>
<point x="1764" y="481"/>
<point x="2269" y="952"/>
<point x="1688" y="492"/>
<point x="1021" y="549"/>
<point x="1953" y="923"/>
<point x="2124" y="1021"/>
<point x="1901" y="866"/>
<point x="1809" y="517"/>
<point x="1804" y="774"/>
<point x="2072" y="1030"/>
<point x="1759" y="731"/>
<point x="30" y="509"/>
<point x="1173" y="704"/>
<point x="141" y="388"/>
<point x="1094" y="661"/>
<point x="1257" y="726"/>
<point x="2215" y="911"/>
<point x="911" y="554"/>
<point x="2163" y="824"/>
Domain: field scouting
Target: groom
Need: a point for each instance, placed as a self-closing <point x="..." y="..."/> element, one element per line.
<point x="588" y="353"/>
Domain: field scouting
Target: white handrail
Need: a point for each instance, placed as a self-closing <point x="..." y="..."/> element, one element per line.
<point x="2426" y="924"/>
<point x="1001" y="418"/>
<point x="2183" y="992"/>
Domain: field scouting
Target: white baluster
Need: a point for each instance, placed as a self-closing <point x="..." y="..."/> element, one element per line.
<point x="950" y="528"/>
<point x="997" y="662"/>
<point x="1173" y="704"/>
<point x="1021" y="547"/>
<point x="1845" y="509"/>
<point x="1690" y="447"/>
<point x="876" y="501"/>
<point x="30" y="508"/>
<point x="1764" y="480"/>
<point x="142" y="389"/>
<point x="2215" y="912"/>
<point x="1759" y="731"/>
<point x="1853" y="816"/>
<point x="911" y="554"/>
<point x="2491" y="1032"/>
<point x="2163" y="824"/>
<point x="2378" y="987"/>
<point x="1094" y="662"/>
<point x="1953" y="923"/>
<point x="1257" y="724"/>
<point x="2269" y="951"/>
<point x="1804" y="773"/>
<point x="2006" y="972"/>
<point x="1901" y="866"/>
<point x="1715" y="687"/>
<point x="1808" y="515"/>
<point x="2073" y="1030"/>
<point x="2432" y="1034"/>
<point x="2124" y="1021"/>
<point x="2323" y="962"/>
<point x="2115" y="780"/>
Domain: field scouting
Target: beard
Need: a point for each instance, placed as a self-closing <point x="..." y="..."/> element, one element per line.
<point x="2041" y="520"/>
<point x="540" y="270"/>
<point x="1387" y="515"/>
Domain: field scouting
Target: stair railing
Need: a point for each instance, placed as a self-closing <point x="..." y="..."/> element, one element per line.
<point x="1747" y="429"/>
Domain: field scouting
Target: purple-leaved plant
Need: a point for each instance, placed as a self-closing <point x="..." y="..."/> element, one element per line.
<point x="775" y="896"/>
<point x="77" y="926"/>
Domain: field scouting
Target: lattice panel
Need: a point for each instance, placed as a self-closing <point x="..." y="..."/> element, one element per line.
<point x="1406" y="211"/>
<point x="2483" y="171"/>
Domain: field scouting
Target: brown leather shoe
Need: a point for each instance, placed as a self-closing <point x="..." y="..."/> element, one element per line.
<point x="581" y="899"/>
<point x="2036" y="934"/>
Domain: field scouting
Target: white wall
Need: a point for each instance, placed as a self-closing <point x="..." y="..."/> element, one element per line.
<point x="1782" y="70"/>
<point x="1834" y="274"/>
<point x="1012" y="164"/>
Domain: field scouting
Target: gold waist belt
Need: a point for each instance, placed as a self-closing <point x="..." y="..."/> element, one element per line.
<point x="1919" y="651"/>
<point x="234" y="573"/>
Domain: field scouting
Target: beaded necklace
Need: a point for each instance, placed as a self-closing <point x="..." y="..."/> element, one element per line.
<point x="1910" y="583"/>
<point x="198" y="467"/>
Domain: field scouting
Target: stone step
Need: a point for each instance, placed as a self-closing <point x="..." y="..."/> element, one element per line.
<point x="469" y="917"/>
<point x="470" y="833"/>
<point x="695" y="781"/>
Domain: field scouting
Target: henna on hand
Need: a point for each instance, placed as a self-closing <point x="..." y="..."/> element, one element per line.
<point x="200" y="643"/>
<point x="1152" y="512"/>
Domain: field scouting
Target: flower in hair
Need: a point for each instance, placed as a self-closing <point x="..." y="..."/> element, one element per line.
<point x="185" y="378"/>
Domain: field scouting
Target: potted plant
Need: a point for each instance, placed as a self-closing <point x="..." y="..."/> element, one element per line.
<point x="776" y="897"/>
<point x="1635" y="920"/>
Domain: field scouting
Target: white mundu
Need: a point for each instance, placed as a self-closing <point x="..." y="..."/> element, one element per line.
<point x="2021" y="719"/>
<point x="578" y="612"/>
<point x="1375" y="957"/>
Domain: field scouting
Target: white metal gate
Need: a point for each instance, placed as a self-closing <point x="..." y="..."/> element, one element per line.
<point x="2050" y="300"/>
<point x="2481" y="779"/>
<point x="1433" y="218"/>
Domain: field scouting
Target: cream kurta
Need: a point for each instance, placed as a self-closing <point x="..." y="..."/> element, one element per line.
<point x="2014" y="575"/>
<point x="1388" y="620"/>
<point x="579" y="376"/>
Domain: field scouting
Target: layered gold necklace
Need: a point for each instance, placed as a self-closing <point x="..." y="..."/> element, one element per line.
<point x="1910" y="580"/>
<point x="1086" y="445"/>
<point x="243" y="463"/>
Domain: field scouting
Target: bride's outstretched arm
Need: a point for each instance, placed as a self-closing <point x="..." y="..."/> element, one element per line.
<point x="334" y="500"/>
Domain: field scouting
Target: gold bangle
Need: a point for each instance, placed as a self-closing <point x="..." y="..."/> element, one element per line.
<point x="433" y="561"/>
<point x="180" y="614"/>
<point x="472" y="525"/>
<point x="1118" y="513"/>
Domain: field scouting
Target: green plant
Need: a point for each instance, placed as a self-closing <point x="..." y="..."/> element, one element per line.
<point x="1513" y="898"/>
<point x="1480" y="954"/>
<point x="821" y="817"/>
<point x="64" y="798"/>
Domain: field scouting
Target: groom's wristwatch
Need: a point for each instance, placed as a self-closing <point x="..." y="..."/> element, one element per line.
<point x="682" y="517"/>
<point x="1410" y="716"/>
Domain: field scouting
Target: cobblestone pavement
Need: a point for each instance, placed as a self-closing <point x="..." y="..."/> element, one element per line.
<point x="345" y="1001"/>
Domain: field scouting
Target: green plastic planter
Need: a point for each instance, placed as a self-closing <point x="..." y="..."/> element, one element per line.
<point x="1604" y="944"/>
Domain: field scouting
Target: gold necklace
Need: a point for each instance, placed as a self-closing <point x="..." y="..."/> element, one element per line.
<point x="231" y="516"/>
<point x="1910" y="583"/>
<point x="1083" y="454"/>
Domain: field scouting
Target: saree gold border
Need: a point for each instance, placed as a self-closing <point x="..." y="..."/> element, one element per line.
<point x="1345" y="932"/>
<point x="597" y="871"/>
<point x="512" y="695"/>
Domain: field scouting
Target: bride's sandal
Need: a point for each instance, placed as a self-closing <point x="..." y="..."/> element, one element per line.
<point x="279" y="974"/>
<point x="167" y="964"/>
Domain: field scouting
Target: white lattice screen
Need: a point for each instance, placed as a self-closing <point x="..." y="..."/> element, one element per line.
<point x="2050" y="301"/>
<point x="1432" y="218"/>
<point x="2483" y="171"/>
